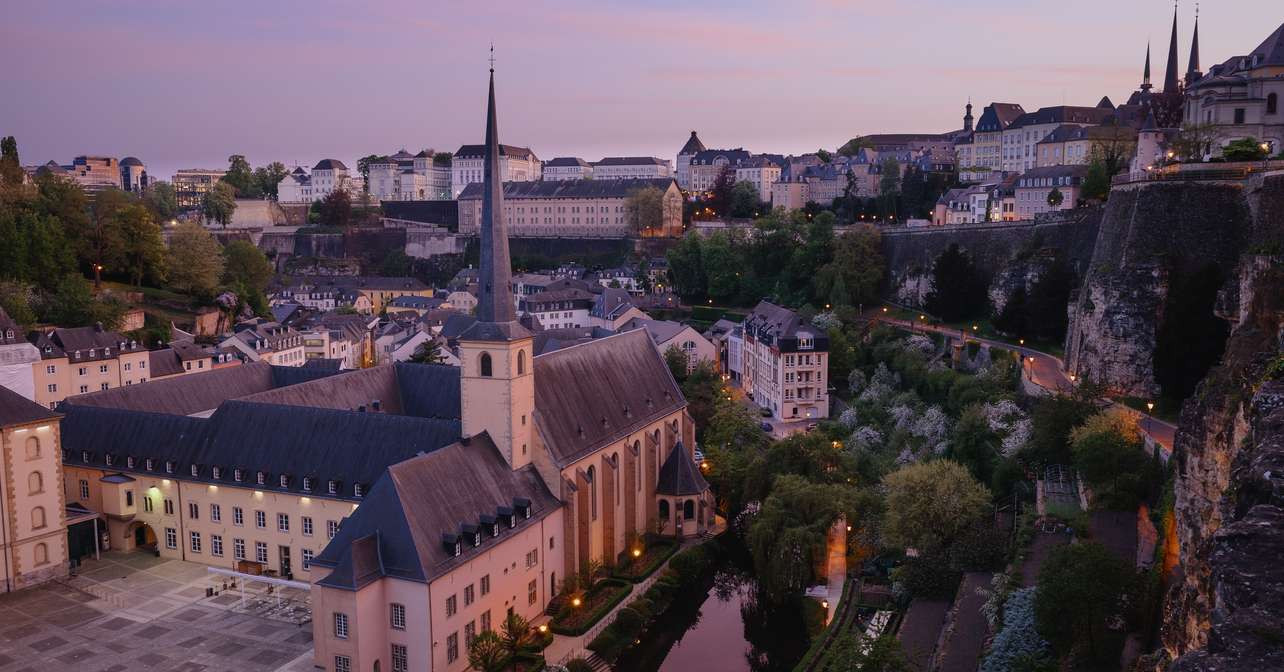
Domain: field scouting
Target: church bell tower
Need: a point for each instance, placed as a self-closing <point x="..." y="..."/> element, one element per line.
<point x="496" y="353"/>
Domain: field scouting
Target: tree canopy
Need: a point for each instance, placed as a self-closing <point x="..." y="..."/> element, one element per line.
<point x="959" y="288"/>
<point x="194" y="263"/>
<point x="931" y="504"/>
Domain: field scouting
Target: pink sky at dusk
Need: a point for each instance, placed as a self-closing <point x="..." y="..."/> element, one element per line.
<point x="187" y="84"/>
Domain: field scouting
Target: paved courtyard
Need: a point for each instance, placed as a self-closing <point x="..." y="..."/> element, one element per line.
<point x="138" y="612"/>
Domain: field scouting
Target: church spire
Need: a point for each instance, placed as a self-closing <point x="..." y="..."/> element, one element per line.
<point x="1170" y="74"/>
<point x="1192" y="70"/>
<point x="1145" y="77"/>
<point x="494" y="290"/>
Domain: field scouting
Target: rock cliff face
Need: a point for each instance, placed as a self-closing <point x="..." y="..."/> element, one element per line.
<point x="1149" y="234"/>
<point x="1226" y="612"/>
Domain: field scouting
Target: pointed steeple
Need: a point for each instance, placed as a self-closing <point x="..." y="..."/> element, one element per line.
<point x="1145" y="77"/>
<point x="1170" y="74"/>
<point x="967" y="117"/>
<point x="494" y="293"/>
<point x="1192" y="69"/>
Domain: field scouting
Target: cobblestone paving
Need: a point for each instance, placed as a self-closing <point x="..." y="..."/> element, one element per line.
<point x="138" y="612"/>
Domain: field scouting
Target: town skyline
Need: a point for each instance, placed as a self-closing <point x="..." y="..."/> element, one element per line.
<point x="587" y="110"/>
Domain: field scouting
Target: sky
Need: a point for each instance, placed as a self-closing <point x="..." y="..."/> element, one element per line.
<point x="186" y="84"/>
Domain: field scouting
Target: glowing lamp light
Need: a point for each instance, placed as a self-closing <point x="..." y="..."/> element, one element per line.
<point x="1150" y="406"/>
<point x="824" y="604"/>
<point x="637" y="552"/>
<point x="849" y="528"/>
<point x="575" y="602"/>
<point x="543" y="629"/>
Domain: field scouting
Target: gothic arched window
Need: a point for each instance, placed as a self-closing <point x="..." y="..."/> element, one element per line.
<point x="521" y="362"/>
<point x="38" y="518"/>
<point x="688" y="509"/>
<point x="484" y="365"/>
<point x="591" y="477"/>
<point x="35" y="483"/>
<point x="33" y="448"/>
<point x="664" y="510"/>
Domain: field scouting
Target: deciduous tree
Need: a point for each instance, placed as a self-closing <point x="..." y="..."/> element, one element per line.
<point x="219" y="203"/>
<point x="161" y="199"/>
<point x="194" y="260"/>
<point x="1081" y="590"/>
<point x="246" y="265"/>
<point x="142" y="249"/>
<point x="930" y="504"/>
<point x="958" y="287"/>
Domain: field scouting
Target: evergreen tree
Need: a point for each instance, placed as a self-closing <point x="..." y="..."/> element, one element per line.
<point x="10" y="167"/>
<point x="959" y="289"/>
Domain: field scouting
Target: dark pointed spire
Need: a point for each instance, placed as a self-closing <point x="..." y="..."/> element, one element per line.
<point x="967" y="118"/>
<point x="1192" y="70"/>
<point x="1170" y="74"/>
<point x="494" y="293"/>
<point x="1145" y="77"/>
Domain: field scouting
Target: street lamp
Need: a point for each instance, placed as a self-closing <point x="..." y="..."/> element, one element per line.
<point x="1150" y="408"/>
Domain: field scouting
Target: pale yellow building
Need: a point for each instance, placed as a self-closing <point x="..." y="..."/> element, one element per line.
<point x="574" y="208"/>
<point x="81" y="360"/>
<point x="33" y="534"/>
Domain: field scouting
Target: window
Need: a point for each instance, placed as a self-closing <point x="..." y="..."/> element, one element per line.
<point x="484" y="365"/>
<point x="1272" y="103"/>
<point x="356" y="490"/>
<point x="1239" y="115"/>
<point x="196" y="470"/>
<point x="342" y="663"/>
<point x="399" y="658"/>
<point x="307" y="559"/>
<point x="532" y="558"/>
<point x="236" y="475"/>
<point x="193" y="510"/>
<point x="452" y="606"/>
<point x="171" y="538"/>
<point x="307" y="484"/>
<point x="238" y="516"/>
<point x="260" y="553"/>
<point x="485" y="585"/>
<point x="238" y="549"/>
<point x="532" y="592"/>
<point x="333" y="487"/>
<point x="147" y="503"/>
<point x="485" y="621"/>
<point x="36" y="485"/>
<point x="282" y="522"/>
<point x="216" y="545"/>
<point x="169" y="466"/>
<point x="307" y="526"/>
<point x="84" y="489"/>
<point x="169" y="506"/>
<point x="260" y="520"/>
<point x="129" y="496"/>
<point x="195" y="542"/>
<point x="216" y="513"/>
<point x="340" y="625"/>
<point x="470" y="632"/>
<point x="285" y="481"/>
<point x="590" y="477"/>
<point x="452" y="647"/>
<point x="468" y="594"/>
<point x="397" y="616"/>
<point x="521" y="357"/>
<point x="331" y="528"/>
<point x="41" y="554"/>
<point x="260" y="478"/>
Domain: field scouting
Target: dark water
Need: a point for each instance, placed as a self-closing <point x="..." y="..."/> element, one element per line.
<point x="725" y="626"/>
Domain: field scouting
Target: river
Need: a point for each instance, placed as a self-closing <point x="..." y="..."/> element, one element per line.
<point x="724" y="627"/>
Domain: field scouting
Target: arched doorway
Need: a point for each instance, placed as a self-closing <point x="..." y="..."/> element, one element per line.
<point x="140" y="537"/>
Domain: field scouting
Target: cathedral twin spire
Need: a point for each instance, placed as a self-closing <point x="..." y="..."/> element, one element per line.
<point x="1172" y="83"/>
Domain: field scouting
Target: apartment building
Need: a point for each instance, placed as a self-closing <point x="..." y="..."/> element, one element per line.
<point x="784" y="363"/>
<point x="190" y="185"/>
<point x="567" y="168"/>
<point x="573" y="209"/>
<point x="1242" y="96"/>
<point x="80" y="360"/>
<point x="328" y="176"/>
<point x="406" y="177"/>
<point x="762" y="173"/>
<point x="267" y="341"/>
<point x="33" y="534"/>
<point x="632" y="168"/>
<point x="18" y="358"/>
<point x="1021" y="138"/>
<point x="987" y="139"/>
<point x="1072" y="145"/>
<point x="1036" y="185"/>
<point x="516" y="164"/>
<point x="706" y="166"/>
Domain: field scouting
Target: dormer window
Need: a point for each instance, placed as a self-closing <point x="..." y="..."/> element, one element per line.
<point x="307" y="484"/>
<point x="149" y="464"/>
<point x="285" y="481"/>
<point x="260" y="478"/>
<point x="129" y="462"/>
<point x="494" y="529"/>
<point x="109" y="458"/>
<point x="84" y="456"/>
<point x="91" y="352"/>
<point x="196" y="470"/>
<point x="217" y="472"/>
<point x="476" y="539"/>
<point x="356" y="490"/>
<point x="333" y="487"/>
<point x="236" y="475"/>
<point x="459" y="548"/>
<point x="169" y="466"/>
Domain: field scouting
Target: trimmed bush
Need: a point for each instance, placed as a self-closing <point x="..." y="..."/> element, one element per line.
<point x="578" y="665"/>
<point x="629" y="622"/>
<point x="643" y="606"/>
<point x="1018" y="637"/>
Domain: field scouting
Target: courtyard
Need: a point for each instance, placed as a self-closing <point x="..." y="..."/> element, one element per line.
<point x="135" y="611"/>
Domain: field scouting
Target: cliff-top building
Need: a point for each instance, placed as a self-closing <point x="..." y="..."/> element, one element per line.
<point x="1240" y="97"/>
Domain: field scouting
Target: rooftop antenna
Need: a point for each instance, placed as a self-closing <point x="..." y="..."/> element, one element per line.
<point x="492" y="57"/>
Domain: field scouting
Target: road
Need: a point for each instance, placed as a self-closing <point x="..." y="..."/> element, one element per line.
<point x="1048" y="372"/>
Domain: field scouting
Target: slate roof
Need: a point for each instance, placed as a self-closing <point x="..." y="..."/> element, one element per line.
<point x="329" y="164"/>
<point x="403" y="526"/>
<point x="1063" y="114"/>
<point x="16" y="409"/>
<point x="679" y="475"/>
<point x="566" y="162"/>
<point x="163" y="362"/>
<point x="364" y="282"/>
<point x="185" y="395"/>
<point x="692" y="146"/>
<point x="10" y="330"/>
<point x="591" y="394"/>
<point x="997" y="116"/>
<point x="415" y="301"/>
<point x="421" y="390"/>
<point x="75" y="343"/>
<point x="660" y="331"/>
<point x="479" y="151"/>
<point x="630" y="161"/>
<point x="549" y="340"/>
<point x="570" y="188"/>
<point x="344" y="446"/>
<point x="734" y="157"/>
<point x="779" y="326"/>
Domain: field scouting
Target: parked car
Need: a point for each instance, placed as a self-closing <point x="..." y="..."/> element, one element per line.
<point x="764" y="412"/>
<point x="766" y="427"/>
